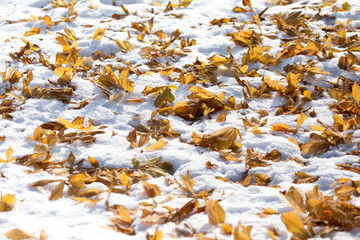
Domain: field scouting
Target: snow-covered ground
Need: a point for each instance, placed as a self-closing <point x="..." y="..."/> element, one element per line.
<point x="235" y="104"/>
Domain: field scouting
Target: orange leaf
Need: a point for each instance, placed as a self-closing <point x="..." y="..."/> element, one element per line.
<point x="157" y="145"/>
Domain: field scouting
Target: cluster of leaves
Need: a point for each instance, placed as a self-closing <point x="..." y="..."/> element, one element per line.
<point x="317" y="210"/>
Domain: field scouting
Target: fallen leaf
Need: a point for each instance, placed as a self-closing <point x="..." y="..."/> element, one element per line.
<point x="215" y="212"/>
<point x="295" y="225"/>
<point x="157" y="145"/>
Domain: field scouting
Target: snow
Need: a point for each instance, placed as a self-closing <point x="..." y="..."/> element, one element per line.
<point x="65" y="218"/>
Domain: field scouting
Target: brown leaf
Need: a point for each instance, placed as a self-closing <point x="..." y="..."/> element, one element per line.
<point x="303" y="177"/>
<point x="315" y="147"/>
<point x="151" y="190"/>
<point x="57" y="191"/>
<point x="220" y="139"/>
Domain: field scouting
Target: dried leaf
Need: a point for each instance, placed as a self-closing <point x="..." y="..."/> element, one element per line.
<point x="220" y="139"/>
<point x="32" y="31"/>
<point x="302" y="117"/>
<point x="157" y="145"/>
<point x="57" y="191"/>
<point x="7" y="202"/>
<point x="18" y="234"/>
<point x="151" y="190"/>
<point x="93" y="162"/>
<point x="99" y="34"/>
<point x="356" y="92"/>
<point x="215" y="212"/>
<point x="295" y="225"/>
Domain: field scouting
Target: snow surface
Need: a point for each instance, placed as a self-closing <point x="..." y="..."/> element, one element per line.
<point x="65" y="218"/>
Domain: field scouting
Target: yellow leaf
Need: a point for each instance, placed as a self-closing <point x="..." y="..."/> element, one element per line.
<point x="215" y="212"/>
<point x="125" y="179"/>
<point x="124" y="214"/>
<point x="239" y="9"/>
<point x="151" y="190"/>
<point x="99" y="34"/>
<point x="90" y="192"/>
<point x="317" y="128"/>
<point x="57" y="191"/>
<point x="196" y="138"/>
<point x="158" y="235"/>
<point x="9" y="153"/>
<point x="280" y="127"/>
<point x="221" y="117"/>
<point x="7" y="202"/>
<point x="167" y="71"/>
<point x="65" y="122"/>
<point x="188" y="182"/>
<point x="32" y="31"/>
<point x="302" y="117"/>
<point x="356" y="92"/>
<point x="227" y="228"/>
<point x="295" y="225"/>
<point x="293" y="141"/>
<point x="18" y="234"/>
<point x="48" y="21"/>
<point x="156" y="3"/>
<point x="93" y="162"/>
<point x="157" y="145"/>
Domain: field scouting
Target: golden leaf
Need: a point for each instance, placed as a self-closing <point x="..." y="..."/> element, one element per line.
<point x="158" y="235"/>
<point x="7" y="202"/>
<point x="167" y="71"/>
<point x="157" y="145"/>
<point x="196" y="138"/>
<point x="65" y="122"/>
<point x="125" y="179"/>
<point x="57" y="191"/>
<point x="124" y="214"/>
<point x="239" y="9"/>
<point x="93" y="162"/>
<point x="280" y="127"/>
<point x="99" y="34"/>
<point x="356" y="92"/>
<point x="18" y="234"/>
<point x="215" y="212"/>
<point x="188" y="182"/>
<point x="221" y="117"/>
<point x="315" y="147"/>
<point x="295" y="225"/>
<point x="220" y="139"/>
<point x="32" y="31"/>
<point x="302" y="117"/>
<point x="48" y="21"/>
